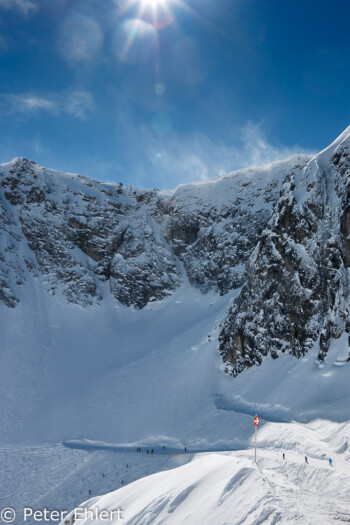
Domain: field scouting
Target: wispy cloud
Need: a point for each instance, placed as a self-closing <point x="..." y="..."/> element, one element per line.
<point x="75" y="103"/>
<point x="258" y="150"/>
<point x="25" y="6"/>
<point x="179" y="159"/>
<point x="79" y="39"/>
<point x="79" y="104"/>
<point x="29" y="103"/>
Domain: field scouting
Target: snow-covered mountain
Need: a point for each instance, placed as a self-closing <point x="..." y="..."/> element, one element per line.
<point x="114" y="302"/>
<point x="215" y="225"/>
<point x="76" y="234"/>
<point x="297" y="291"/>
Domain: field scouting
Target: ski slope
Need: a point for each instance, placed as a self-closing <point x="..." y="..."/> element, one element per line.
<point x="81" y="402"/>
<point x="83" y="385"/>
<point x="95" y="383"/>
<point x="226" y="488"/>
<point x="154" y="376"/>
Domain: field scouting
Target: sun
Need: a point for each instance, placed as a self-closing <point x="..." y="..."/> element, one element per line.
<point x="144" y="4"/>
<point x="154" y="3"/>
<point x="156" y="12"/>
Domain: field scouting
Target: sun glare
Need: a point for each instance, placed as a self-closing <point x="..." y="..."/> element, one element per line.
<point x="136" y="39"/>
<point x="153" y="3"/>
<point x="156" y="12"/>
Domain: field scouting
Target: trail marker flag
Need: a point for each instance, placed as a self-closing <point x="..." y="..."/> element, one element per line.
<point x="256" y="424"/>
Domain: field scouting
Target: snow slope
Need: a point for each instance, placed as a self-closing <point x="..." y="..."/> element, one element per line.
<point x="86" y="379"/>
<point x="78" y="406"/>
<point x="228" y="489"/>
<point x="152" y="376"/>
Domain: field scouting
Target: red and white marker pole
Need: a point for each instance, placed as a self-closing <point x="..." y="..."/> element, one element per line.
<point x="256" y="424"/>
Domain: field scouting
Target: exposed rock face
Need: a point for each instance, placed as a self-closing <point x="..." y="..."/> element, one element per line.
<point x="281" y="232"/>
<point x="82" y="238"/>
<point x="297" y="289"/>
<point x="215" y="226"/>
<point x="76" y="234"/>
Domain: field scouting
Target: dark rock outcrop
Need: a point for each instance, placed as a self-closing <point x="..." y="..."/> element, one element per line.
<point x="297" y="289"/>
<point x="280" y="232"/>
<point x="83" y="238"/>
<point x="214" y="226"/>
<point x="75" y="234"/>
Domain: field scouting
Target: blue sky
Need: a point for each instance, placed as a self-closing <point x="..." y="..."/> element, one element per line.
<point x="159" y="92"/>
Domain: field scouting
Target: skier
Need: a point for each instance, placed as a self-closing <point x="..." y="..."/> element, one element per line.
<point x="330" y="462"/>
<point x="122" y="482"/>
<point x="152" y="451"/>
<point x="283" y="456"/>
<point x="147" y="451"/>
<point x="306" y="461"/>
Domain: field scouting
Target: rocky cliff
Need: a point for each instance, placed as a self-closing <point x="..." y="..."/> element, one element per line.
<point x="281" y="232"/>
<point x="79" y="235"/>
<point x="297" y="288"/>
<point x="82" y="238"/>
<point x="214" y="226"/>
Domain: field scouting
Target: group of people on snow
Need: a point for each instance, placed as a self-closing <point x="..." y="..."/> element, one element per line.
<point x="330" y="461"/>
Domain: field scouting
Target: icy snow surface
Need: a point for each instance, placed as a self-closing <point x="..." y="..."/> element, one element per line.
<point x="82" y="387"/>
<point x="227" y="488"/>
<point x="76" y="404"/>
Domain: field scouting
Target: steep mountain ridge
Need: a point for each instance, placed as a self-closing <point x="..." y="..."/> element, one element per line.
<point x="215" y="225"/>
<point x="297" y="289"/>
<point x="77" y="234"/>
<point x="281" y="231"/>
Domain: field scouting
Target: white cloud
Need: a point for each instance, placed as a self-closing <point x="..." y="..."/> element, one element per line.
<point x="75" y="103"/>
<point x="30" y="103"/>
<point x="25" y="6"/>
